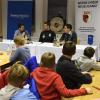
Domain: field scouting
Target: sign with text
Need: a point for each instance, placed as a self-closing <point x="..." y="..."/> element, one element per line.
<point x="87" y="21"/>
<point x="19" y="12"/>
<point x="85" y="18"/>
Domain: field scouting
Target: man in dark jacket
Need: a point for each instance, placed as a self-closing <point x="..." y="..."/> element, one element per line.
<point x="68" y="34"/>
<point x="47" y="35"/>
<point x="71" y="76"/>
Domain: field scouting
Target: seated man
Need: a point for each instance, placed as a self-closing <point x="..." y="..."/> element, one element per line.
<point x="68" y="34"/>
<point x="49" y="84"/>
<point x="47" y="35"/>
<point x="22" y="53"/>
<point x="17" y="76"/>
<point x="71" y="76"/>
<point x="85" y="63"/>
<point x="22" y="32"/>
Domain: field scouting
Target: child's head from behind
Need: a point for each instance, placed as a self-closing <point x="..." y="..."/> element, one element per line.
<point x="89" y="52"/>
<point x="19" y="41"/>
<point x="48" y="60"/>
<point x="69" y="48"/>
<point x="18" y="74"/>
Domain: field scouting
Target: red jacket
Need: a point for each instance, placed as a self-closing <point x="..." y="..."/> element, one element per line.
<point x="3" y="79"/>
<point x="50" y="85"/>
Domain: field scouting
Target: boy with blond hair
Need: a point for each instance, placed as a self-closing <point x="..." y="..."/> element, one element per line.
<point x="17" y="75"/>
<point x="22" y="53"/>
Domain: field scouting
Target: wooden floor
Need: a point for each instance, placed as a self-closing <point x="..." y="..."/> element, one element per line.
<point x="4" y="58"/>
<point x="96" y="92"/>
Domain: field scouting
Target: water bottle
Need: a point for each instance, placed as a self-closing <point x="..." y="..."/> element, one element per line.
<point x="90" y="39"/>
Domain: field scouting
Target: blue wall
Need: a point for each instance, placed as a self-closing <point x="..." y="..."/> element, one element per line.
<point x="19" y="12"/>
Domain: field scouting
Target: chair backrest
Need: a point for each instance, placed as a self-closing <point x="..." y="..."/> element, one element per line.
<point x="3" y="67"/>
<point x="33" y="88"/>
<point x="31" y="64"/>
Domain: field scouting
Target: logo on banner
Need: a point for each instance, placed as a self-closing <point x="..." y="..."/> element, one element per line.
<point x="86" y="16"/>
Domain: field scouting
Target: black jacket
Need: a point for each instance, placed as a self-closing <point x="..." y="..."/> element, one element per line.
<point x="47" y="36"/>
<point x="69" y="37"/>
<point x="71" y="76"/>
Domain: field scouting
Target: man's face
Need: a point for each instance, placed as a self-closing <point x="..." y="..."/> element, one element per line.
<point x="66" y="30"/>
<point x="46" y="27"/>
<point x="22" y="28"/>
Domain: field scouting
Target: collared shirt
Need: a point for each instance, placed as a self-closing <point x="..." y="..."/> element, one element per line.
<point x="24" y="94"/>
<point x="70" y="32"/>
<point x="7" y="92"/>
<point x="71" y="36"/>
<point x="18" y="33"/>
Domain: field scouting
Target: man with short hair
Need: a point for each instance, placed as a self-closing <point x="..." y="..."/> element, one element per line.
<point x="68" y="34"/>
<point x="47" y="35"/>
<point x="22" y="32"/>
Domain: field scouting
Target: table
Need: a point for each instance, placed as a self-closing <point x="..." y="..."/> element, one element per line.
<point x="32" y="46"/>
<point x="4" y="58"/>
<point x="96" y="93"/>
<point x="38" y="48"/>
<point x="8" y="45"/>
<point x="48" y="47"/>
<point x="45" y="47"/>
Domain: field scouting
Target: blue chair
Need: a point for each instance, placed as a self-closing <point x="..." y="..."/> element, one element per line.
<point x="33" y="88"/>
<point x="31" y="64"/>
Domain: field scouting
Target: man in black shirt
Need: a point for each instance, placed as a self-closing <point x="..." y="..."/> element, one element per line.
<point x="71" y="76"/>
<point x="47" y="35"/>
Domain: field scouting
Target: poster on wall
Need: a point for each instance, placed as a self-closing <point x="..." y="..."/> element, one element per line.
<point x="19" y="11"/>
<point x="85" y="19"/>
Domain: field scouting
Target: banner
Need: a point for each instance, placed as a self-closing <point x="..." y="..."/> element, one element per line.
<point x="19" y="11"/>
<point x="87" y="21"/>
